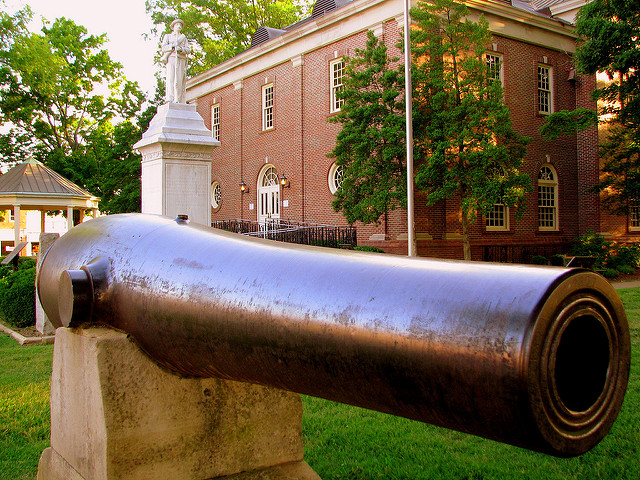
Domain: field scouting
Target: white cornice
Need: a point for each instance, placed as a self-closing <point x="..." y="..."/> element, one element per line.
<point x="362" y="15"/>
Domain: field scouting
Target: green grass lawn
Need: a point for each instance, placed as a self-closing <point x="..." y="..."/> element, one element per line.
<point x="24" y="407"/>
<point x="343" y="442"/>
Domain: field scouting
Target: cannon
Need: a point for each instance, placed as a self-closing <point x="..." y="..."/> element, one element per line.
<point x="536" y="357"/>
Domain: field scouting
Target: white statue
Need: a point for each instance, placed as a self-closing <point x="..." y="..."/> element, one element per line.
<point x="175" y="48"/>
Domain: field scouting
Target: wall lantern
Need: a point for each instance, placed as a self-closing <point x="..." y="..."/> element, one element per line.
<point x="243" y="187"/>
<point x="284" y="183"/>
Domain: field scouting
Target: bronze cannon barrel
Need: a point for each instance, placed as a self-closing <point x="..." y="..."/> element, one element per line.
<point x="532" y="356"/>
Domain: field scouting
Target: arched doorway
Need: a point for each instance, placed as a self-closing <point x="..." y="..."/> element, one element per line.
<point x="268" y="195"/>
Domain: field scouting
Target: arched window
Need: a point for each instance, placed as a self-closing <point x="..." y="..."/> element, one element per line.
<point x="335" y="177"/>
<point x="216" y="195"/>
<point x="547" y="199"/>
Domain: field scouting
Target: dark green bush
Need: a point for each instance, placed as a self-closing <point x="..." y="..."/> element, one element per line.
<point x="628" y="255"/>
<point x="557" y="260"/>
<point x="610" y="273"/>
<point x="367" y="248"/>
<point x="539" y="260"/>
<point x="594" y="245"/>
<point x="626" y="269"/>
<point x="17" y="298"/>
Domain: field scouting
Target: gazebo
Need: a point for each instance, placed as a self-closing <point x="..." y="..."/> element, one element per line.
<point x="32" y="186"/>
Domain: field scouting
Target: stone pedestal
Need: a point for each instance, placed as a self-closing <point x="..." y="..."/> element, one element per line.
<point x="116" y="415"/>
<point x="176" y="164"/>
<point x="43" y="324"/>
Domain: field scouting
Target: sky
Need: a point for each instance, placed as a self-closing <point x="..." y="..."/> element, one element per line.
<point x="124" y="22"/>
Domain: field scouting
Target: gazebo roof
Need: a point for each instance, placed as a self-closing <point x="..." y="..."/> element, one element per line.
<point x="33" y="177"/>
<point x="33" y="184"/>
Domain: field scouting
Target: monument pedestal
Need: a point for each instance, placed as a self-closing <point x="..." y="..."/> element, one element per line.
<point x="115" y="414"/>
<point x="176" y="164"/>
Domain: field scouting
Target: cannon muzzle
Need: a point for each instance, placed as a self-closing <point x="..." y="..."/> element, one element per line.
<point x="531" y="356"/>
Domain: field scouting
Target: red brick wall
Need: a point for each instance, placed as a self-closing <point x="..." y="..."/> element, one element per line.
<point x="302" y="137"/>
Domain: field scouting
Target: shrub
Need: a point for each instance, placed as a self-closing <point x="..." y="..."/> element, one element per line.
<point x="610" y="273"/>
<point x="626" y="269"/>
<point x="17" y="298"/>
<point x="557" y="260"/>
<point x="594" y="245"/>
<point x="367" y="248"/>
<point x="621" y="255"/>
<point x="539" y="260"/>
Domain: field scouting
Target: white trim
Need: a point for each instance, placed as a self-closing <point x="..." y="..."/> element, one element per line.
<point x="362" y="15"/>
<point x="215" y="121"/>
<point x="268" y="105"/>
<point x="215" y="203"/>
<point x="549" y="90"/>
<point x="505" y="227"/>
<point x="500" y="58"/>
<point x="331" y="178"/>
<point x="556" y="207"/>
<point x="336" y="105"/>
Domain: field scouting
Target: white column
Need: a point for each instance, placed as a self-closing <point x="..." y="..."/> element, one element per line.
<point x="42" y="218"/>
<point x="16" y="223"/>
<point x="95" y="212"/>
<point x="69" y="218"/>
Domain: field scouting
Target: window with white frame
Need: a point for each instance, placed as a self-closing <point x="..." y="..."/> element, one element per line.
<point x="494" y="65"/>
<point x="547" y="199"/>
<point x="337" y="69"/>
<point x="634" y="215"/>
<point x="336" y="172"/>
<point x="497" y="219"/>
<point x="215" y="121"/>
<point x="545" y="92"/>
<point x="216" y="195"/>
<point x="267" y="106"/>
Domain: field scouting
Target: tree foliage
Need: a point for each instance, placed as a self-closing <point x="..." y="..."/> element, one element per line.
<point x="223" y="28"/>
<point x="469" y="149"/>
<point x="609" y="31"/>
<point x="67" y="104"/>
<point x="370" y="146"/>
<point x="464" y="143"/>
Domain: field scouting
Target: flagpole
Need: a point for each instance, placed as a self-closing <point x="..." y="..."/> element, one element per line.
<point x="411" y="234"/>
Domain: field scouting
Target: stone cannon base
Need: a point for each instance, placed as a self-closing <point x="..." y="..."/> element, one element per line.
<point x="115" y="414"/>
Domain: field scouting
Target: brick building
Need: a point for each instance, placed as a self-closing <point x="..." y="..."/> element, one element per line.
<point x="269" y="108"/>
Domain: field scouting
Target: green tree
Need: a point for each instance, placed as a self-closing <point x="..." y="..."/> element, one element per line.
<point x="610" y="30"/>
<point x="223" y="28"/>
<point x="370" y="146"/>
<point x="64" y="100"/>
<point x="466" y="144"/>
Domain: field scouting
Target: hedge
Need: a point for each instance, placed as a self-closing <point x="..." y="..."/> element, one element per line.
<point x="17" y="294"/>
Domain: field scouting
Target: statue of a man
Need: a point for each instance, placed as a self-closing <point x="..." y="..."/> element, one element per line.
<point x="175" y="48"/>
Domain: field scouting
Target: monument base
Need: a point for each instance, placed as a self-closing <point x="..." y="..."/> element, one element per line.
<point x="115" y="414"/>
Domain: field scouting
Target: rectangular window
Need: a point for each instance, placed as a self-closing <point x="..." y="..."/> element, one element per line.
<point x="494" y="63"/>
<point x="634" y="215"/>
<point x="547" y="208"/>
<point x="545" y="97"/>
<point x="267" y="107"/>
<point x="498" y="218"/>
<point x="337" y="84"/>
<point x="215" y="121"/>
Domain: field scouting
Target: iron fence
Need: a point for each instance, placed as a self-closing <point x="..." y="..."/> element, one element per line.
<point x="293" y="232"/>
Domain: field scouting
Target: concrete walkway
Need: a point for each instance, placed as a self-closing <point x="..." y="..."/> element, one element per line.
<point x="631" y="284"/>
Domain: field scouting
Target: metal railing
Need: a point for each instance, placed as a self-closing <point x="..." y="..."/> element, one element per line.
<point x="293" y="232"/>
